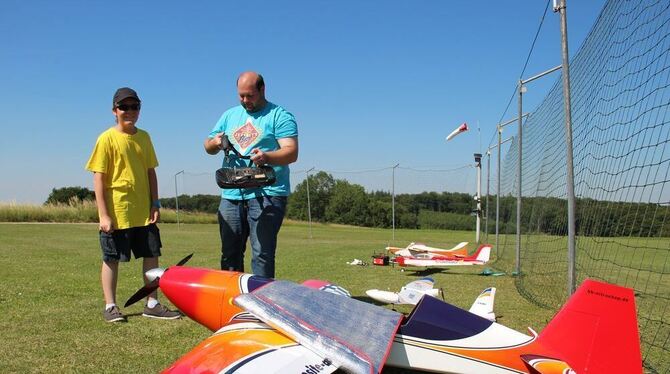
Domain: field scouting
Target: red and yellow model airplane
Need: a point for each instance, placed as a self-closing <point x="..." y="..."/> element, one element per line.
<point x="595" y="332"/>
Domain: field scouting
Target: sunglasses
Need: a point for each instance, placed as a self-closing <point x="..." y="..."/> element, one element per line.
<point x="127" y="107"/>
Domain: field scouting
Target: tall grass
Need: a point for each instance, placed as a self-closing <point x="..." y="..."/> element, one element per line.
<point x="85" y="211"/>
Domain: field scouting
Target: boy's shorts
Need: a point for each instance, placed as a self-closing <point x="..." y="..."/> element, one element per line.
<point x="144" y="241"/>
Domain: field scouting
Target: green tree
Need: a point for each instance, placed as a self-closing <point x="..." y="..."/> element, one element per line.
<point x="320" y="190"/>
<point x="348" y="204"/>
<point x="65" y="195"/>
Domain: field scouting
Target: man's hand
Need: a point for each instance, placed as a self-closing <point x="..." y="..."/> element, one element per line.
<point x="259" y="158"/>
<point x="106" y="224"/>
<point x="154" y="215"/>
<point x="213" y="145"/>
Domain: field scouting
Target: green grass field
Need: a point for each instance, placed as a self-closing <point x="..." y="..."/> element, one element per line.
<point x="51" y="299"/>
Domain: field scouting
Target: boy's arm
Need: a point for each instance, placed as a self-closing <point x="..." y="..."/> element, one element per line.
<point x="155" y="213"/>
<point x="106" y="224"/>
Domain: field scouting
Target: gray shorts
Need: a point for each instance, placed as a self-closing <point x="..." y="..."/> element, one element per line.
<point x="144" y="241"/>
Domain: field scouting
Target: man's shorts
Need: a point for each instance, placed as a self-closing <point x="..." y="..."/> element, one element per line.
<point x="144" y="241"/>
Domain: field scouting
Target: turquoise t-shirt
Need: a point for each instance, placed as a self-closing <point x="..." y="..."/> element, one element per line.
<point x="261" y="130"/>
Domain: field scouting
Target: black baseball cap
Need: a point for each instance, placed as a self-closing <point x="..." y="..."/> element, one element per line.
<point x="124" y="93"/>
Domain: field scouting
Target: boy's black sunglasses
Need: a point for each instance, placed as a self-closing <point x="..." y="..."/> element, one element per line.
<point x="127" y="107"/>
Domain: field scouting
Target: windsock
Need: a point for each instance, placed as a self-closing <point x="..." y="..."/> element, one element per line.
<point x="459" y="129"/>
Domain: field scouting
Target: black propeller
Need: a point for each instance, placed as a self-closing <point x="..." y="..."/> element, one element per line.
<point x="152" y="286"/>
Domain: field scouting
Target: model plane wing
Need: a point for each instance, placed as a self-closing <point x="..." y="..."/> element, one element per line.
<point x="422" y="284"/>
<point x="250" y="347"/>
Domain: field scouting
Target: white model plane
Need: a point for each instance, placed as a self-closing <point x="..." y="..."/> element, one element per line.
<point x="414" y="291"/>
<point x="409" y="294"/>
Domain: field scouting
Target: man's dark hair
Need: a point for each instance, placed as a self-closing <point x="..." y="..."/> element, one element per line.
<point x="260" y="83"/>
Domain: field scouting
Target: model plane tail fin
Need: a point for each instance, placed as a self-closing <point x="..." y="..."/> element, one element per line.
<point x="483" y="253"/>
<point x="596" y="330"/>
<point x="483" y="305"/>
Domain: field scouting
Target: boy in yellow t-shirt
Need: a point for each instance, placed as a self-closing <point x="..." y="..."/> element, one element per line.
<point x="123" y="163"/>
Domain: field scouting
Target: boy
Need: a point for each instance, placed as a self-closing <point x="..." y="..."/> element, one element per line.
<point x="126" y="194"/>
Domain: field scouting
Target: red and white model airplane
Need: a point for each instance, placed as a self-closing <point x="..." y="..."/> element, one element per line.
<point x="480" y="257"/>
<point x="422" y="250"/>
<point x="595" y="331"/>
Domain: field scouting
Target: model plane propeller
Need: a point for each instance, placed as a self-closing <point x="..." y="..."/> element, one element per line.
<point x="153" y="276"/>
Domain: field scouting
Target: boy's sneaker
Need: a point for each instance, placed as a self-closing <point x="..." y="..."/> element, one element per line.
<point x="113" y="314"/>
<point x="160" y="312"/>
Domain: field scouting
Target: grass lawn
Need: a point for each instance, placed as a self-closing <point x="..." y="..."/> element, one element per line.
<point x="51" y="300"/>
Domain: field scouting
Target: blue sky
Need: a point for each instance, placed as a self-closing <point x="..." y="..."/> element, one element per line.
<point x="371" y="83"/>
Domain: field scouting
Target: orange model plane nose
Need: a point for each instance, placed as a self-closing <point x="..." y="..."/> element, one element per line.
<point x="206" y="295"/>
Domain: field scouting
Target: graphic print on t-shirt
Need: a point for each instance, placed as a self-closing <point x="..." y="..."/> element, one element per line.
<point x="246" y="135"/>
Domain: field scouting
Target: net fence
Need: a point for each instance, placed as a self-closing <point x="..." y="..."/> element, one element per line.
<point x="620" y="98"/>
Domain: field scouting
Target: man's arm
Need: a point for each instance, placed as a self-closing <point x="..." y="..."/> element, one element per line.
<point x="213" y="145"/>
<point x="155" y="212"/>
<point x="286" y="154"/>
<point x="106" y="224"/>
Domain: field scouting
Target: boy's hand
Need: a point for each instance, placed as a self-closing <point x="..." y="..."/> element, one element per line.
<point x="154" y="215"/>
<point x="106" y="224"/>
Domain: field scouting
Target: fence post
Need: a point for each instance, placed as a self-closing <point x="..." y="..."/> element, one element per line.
<point x="488" y="179"/>
<point x="393" y="199"/>
<point x="176" y="197"/>
<point x="570" y="182"/>
<point x="309" y="206"/>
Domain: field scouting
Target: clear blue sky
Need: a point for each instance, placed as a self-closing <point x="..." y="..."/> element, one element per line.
<point x="372" y="83"/>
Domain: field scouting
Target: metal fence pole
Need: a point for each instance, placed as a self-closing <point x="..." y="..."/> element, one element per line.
<point x="568" y="145"/>
<point x="393" y="199"/>
<point x="488" y="179"/>
<point x="498" y="193"/>
<point x="176" y="197"/>
<point x="309" y="206"/>
<point x="500" y="143"/>
<point x="518" y="179"/>
<point x="522" y="89"/>
<point x="478" y="196"/>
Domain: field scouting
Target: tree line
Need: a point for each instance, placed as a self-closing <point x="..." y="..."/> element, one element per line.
<point x="339" y="201"/>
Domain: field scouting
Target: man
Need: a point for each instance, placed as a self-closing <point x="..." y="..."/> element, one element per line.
<point x="269" y="134"/>
<point x="123" y="163"/>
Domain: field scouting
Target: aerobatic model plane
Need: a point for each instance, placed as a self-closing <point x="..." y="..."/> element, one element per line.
<point x="420" y="250"/>
<point x="480" y="257"/>
<point x="594" y="332"/>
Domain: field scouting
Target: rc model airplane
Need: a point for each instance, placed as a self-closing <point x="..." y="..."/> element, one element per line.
<point x="480" y="257"/>
<point x="420" y="250"/>
<point x="595" y="331"/>
<point x="414" y="291"/>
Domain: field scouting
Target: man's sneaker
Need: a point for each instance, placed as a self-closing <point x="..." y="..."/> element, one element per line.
<point x="160" y="312"/>
<point x="113" y="314"/>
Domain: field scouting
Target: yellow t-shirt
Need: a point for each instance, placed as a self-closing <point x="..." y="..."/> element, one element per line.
<point x="125" y="160"/>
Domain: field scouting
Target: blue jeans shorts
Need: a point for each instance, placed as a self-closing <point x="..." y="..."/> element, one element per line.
<point x="259" y="219"/>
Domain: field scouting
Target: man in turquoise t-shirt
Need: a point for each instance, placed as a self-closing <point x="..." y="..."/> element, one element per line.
<point x="269" y="134"/>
